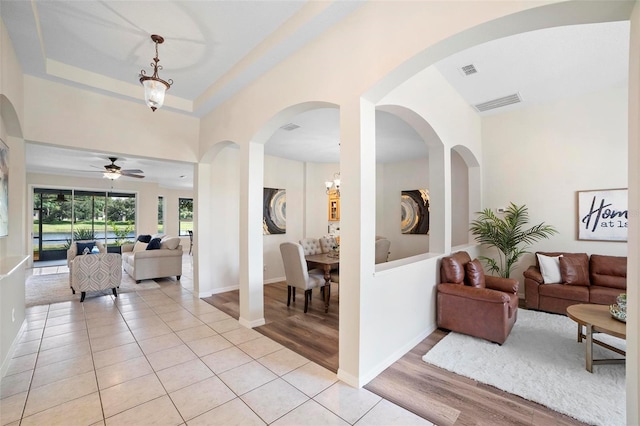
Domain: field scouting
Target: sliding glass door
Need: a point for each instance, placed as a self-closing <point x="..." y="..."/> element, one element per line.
<point x="61" y="217"/>
<point x="52" y="212"/>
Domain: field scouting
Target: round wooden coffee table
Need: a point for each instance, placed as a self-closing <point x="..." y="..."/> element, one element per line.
<point x="597" y="319"/>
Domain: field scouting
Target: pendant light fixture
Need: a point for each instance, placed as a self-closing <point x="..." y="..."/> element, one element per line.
<point x="154" y="86"/>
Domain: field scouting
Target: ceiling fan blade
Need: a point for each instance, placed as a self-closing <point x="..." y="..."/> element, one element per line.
<point x="131" y="175"/>
<point x="131" y="171"/>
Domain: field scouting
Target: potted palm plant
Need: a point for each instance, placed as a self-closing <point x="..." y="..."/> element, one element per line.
<point x="508" y="235"/>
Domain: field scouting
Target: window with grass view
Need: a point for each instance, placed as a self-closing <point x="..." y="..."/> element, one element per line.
<point x="185" y="215"/>
<point x="63" y="216"/>
<point x="160" y="215"/>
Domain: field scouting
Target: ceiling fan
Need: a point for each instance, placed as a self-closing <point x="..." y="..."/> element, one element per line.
<point x="113" y="171"/>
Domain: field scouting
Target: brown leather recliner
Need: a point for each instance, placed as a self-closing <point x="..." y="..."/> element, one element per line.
<point x="471" y="303"/>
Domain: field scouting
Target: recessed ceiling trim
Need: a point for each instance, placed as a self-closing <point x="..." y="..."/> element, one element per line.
<point x="498" y="102"/>
<point x="112" y="85"/>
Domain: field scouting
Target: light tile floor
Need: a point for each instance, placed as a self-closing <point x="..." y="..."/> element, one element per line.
<point x="163" y="357"/>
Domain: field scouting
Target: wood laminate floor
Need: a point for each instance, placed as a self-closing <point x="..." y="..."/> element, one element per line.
<point x="442" y="397"/>
<point x="313" y="335"/>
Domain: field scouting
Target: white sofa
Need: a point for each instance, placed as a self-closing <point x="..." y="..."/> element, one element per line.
<point x="142" y="264"/>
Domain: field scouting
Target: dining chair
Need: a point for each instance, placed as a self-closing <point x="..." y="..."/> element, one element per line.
<point x="327" y="243"/>
<point x="190" y="240"/>
<point x="310" y="246"/>
<point x="382" y="250"/>
<point x="296" y="273"/>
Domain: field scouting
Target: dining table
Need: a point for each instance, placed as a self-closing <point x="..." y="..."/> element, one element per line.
<point x="327" y="262"/>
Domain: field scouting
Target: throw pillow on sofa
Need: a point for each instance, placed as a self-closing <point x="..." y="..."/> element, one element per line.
<point x="154" y="244"/>
<point x="81" y="246"/>
<point x="144" y="238"/>
<point x="170" y="243"/>
<point x="139" y="246"/>
<point x="574" y="270"/>
<point x="550" y="268"/>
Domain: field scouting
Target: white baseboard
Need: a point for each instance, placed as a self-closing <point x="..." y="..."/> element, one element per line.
<point x="396" y="355"/>
<point x="222" y="290"/>
<point x="235" y="287"/>
<point x="12" y="349"/>
<point x="349" y="379"/>
<point x="251" y="324"/>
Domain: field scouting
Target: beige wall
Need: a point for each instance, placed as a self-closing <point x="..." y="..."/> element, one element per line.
<point x="92" y="121"/>
<point x="12" y="247"/>
<point x="542" y="155"/>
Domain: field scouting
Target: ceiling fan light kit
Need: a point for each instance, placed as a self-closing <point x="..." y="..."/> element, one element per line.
<point x="113" y="171"/>
<point x="111" y="175"/>
<point x="154" y="86"/>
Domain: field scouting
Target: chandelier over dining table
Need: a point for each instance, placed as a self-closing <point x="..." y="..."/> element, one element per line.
<point x="334" y="184"/>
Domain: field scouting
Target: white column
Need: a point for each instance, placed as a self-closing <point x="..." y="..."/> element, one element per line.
<point x="440" y="193"/>
<point x="357" y="229"/>
<point x="251" y="193"/>
<point x="202" y="230"/>
<point x="633" y="263"/>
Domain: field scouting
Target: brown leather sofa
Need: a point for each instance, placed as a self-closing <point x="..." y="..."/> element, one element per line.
<point x="471" y="303"/>
<point x="596" y="279"/>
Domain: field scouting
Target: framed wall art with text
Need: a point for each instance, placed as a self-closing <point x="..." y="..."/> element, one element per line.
<point x="602" y="215"/>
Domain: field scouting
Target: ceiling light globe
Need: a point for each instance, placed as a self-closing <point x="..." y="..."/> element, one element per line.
<point x="111" y="175"/>
<point x="154" y="91"/>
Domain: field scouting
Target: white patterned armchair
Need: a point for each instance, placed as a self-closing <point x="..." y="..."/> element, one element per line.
<point x="72" y="252"/>
<point x="95" y="272"/>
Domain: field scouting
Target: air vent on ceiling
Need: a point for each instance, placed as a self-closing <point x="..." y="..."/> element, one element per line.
<point x="469" y="69"/>
<point x="498" y="103"/>
<point x="289" y="127"/>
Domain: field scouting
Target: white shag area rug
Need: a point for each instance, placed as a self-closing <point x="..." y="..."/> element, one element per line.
<point x="54" y="288"/>
<point x="542" y="361"/>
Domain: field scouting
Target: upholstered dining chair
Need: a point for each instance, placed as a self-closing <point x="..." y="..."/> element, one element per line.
<point x="327" y="243"/>
<point x="382" y="250"/>
<point x="310" y="246"/>
<point x="297" y="274"/>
